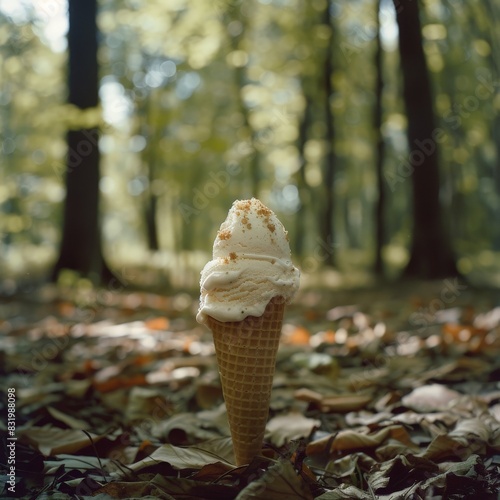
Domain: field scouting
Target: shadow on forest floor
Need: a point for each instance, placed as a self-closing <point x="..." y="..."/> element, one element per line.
<point x="387" y="392"/>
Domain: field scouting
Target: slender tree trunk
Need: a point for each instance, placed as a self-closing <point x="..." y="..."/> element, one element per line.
<point x="81" y="242"/>
<point x="430" y="252"/>
<point x="255" y="175"/>
<point x="327" y="228"/>
<point x="380" y="148"/>
<point x="153" y="131"/>
<point x="240" y="80"/>
<point x="300" y="225"/>
<point x="150" y="215"/>
<point x="493" y="13"/>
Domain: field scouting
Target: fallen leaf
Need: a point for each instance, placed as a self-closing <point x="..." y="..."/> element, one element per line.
<point x="279" y="482"/>
<point x="147" y="402"/>
<point x="167" y="488"/>
<point x="204" y="425"/>
<point x="54" y="441"/>
<point x="191" y="457"/>
<point x="399" y="473"/>
<point x="347" y="440"/>
<point x="71" y="422"/>
<point x="159" y="323"/>
<point x="72" y="462"/>
<point x="295" y="335"/>
<point x="345" y="492"/>
<point x="334" y="403"/>
<point x="285" y="428"/>
<point x="344" y="403"/>
<point x="434" y="397"/>
<point x="120" y="383"/>
<point x="346" y="466"/>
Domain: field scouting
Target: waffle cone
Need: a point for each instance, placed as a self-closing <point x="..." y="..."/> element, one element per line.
<point x="246" y="355"/>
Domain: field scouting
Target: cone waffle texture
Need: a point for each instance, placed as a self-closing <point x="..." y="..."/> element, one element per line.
<point x="246" y="355"/>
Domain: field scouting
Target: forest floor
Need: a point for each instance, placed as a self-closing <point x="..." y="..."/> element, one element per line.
<point x="388" y="393"/>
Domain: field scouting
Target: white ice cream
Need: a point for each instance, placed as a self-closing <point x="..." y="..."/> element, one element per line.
<point x="251" y="265"/>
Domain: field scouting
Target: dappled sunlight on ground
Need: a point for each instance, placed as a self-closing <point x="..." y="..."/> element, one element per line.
<point x="119" y="390"/>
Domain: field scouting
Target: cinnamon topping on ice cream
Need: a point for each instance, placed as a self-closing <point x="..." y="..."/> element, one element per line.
<point x="251" y="264"/>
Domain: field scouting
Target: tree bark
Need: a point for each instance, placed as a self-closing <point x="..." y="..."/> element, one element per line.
<point x="379" y="148"/>
<point x="240" y="79"/>
<point x="493" y="12"/>
<point x="327" y="228"/>
<point x="80" y="248"/>
<point x="150" y="212"/>
<point x="430" y="251"/>
<point x="150" y="155"/>
<point x="300" y="223"/>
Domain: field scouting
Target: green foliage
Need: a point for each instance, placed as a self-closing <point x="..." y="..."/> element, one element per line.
<point x="202" y="103"/>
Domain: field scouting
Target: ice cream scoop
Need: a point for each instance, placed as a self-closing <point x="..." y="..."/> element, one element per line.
<point x="251" y="264"/>
<point x="244" y="289"/>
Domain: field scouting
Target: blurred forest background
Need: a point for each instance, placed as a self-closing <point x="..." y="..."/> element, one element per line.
<point x="378" y="148"/>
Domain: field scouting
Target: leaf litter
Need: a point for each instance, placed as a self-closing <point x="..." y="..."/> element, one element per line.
<point x="388" y="394"/>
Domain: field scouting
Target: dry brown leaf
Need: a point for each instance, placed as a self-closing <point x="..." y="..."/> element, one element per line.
<point x="345" y="492"/>
<point x="54" y="441"/>
<point x="398" y="474"/>
<point x="192" y="457"/>
<point x="348" y="439"/>
<point x="147" y="403"/>
<point x="308" y="395"/>
<point x="211" y="472"/>
<point x="434" y="397"/>
<point x="334" y="403"/>
<point x="461" y="369"/>
<point x="279" y="482"/>
<point x="345" y="466"/>
<point x="166" y="488"/>
<point x="205" y="425"/>
<point x="344" y="403"/>
<point x="71" y="422"/>
<point x="285" y="428"/>
<point x="472" y="427"/>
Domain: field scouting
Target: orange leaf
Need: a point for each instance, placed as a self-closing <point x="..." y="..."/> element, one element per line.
<point x="145" y="444"/>
<point x="308" y="473"/>
<point x="298" y="336"/>
<point x="159" y="323"/>
<point x="143" y="359"/>
<point x="66" y="308"/>
<point x="119" y="383"/>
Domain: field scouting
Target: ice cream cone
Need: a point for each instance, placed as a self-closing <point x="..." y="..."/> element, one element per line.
<point x="246" y="355"/>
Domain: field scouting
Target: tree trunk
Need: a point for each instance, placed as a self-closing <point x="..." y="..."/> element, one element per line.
<point x="300" y="224"/>
<point x="430" y="251"/>
<point x="379" y="149"/>
<point x="326" y="229"/>
<point x="80" y="248"/>
<point x="150" y="216"/>
<point x="493" y="13"/>
<point x="152" y="130"/>
<point x="240" y="80"/>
